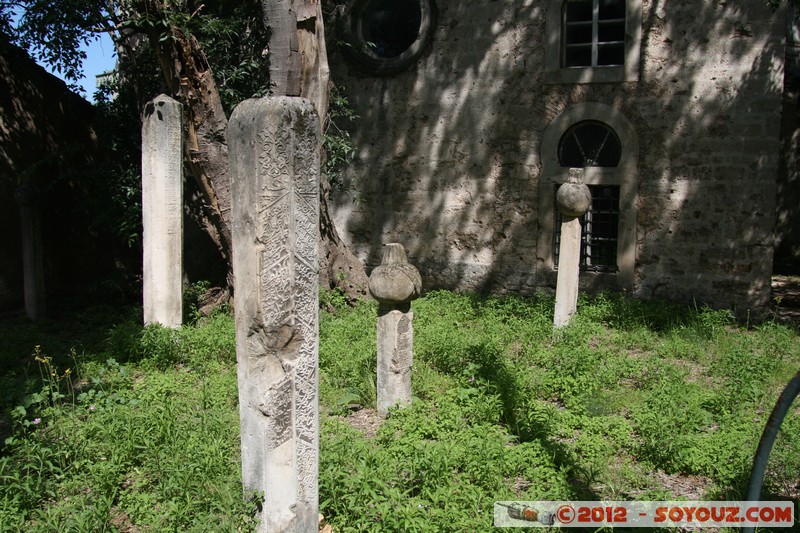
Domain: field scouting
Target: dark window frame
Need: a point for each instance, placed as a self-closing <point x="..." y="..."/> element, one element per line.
<point x="555" y="71"/>
<point x="602" y="51"/>
<point x="598" y="245"/>
<point x="593" y="143"/>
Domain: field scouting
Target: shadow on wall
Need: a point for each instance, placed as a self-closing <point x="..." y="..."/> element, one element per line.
<point x="705" y="233"/>
<point x="787" y="227"/>
<point x="448" y="152"/>
<point x="48" y="143"/>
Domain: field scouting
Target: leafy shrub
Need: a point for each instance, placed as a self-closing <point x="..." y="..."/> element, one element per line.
<point x="143" y="433"/>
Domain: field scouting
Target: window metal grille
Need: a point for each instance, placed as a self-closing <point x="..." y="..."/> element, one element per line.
<point x="594" y="33"/>
<point x="599" y="230"/>
<point x="589" y="144"/>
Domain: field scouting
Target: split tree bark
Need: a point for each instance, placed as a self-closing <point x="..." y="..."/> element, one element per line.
<point x="298" y="67"/>
<point x="189" y="79"/>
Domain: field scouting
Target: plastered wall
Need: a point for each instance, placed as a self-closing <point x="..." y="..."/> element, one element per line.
<point x="448" y="152"/>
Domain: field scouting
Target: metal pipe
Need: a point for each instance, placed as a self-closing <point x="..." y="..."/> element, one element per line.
<point x="768" y="439"/>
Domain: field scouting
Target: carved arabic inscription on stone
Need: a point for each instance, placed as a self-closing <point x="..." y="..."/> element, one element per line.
<point x="275" y="140"/>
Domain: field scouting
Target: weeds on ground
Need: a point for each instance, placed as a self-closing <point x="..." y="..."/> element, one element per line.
<point x="149" y="442"/>
<point x="633" y="400"/>
<point x="629" y="395"/>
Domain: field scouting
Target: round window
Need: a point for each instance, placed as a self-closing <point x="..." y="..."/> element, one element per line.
<point x="589" y="144"/>
<point x="386" y="36"/>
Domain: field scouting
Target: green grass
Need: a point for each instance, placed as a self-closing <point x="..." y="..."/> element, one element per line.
<point x="110" y="426"/>
<point x="151" y="442"/>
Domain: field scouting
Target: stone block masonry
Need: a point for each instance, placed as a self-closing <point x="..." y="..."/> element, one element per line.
<point x="274" y="169"/>
<point x="162" y="211"/>
<point x="451" y="155"/>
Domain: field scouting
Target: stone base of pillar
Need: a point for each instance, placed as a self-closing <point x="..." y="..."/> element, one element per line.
<point x="395" y="356"/>
<point x="569" y="254"/>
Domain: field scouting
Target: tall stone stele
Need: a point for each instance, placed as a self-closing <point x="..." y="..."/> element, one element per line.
<point x="274" y="168"/>
<point x="162" y="212"/>
<point x="395" y="283"/>
<point x="27" y="197"/>
<point x="574" y="200"/>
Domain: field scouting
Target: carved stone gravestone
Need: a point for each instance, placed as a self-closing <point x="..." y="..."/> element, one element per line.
<point x="394" y="284"/>
<point x="274" y="168"/>
<point x="574" y="200"/>
<point x="162" y="211"/>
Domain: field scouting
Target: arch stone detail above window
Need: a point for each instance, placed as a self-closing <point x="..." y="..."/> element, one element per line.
<point x="557" y="72"/>
<point x="624" y="175"/>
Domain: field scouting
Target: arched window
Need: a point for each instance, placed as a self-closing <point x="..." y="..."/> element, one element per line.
<point x="589" y="144"/>
<point x="600" y="140"/>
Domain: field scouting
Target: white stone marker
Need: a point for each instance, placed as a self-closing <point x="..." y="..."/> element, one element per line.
<point x="162" y="211"/>
<point x="394" y="284"/>
<point x="574" y="199"/>
<point x="32" y="251"/>
<point x="274" y="168"/>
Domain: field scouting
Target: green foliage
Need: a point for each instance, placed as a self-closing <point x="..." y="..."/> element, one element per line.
<point x="433" y="466"/>
<point x="54" y="31"/>
<point x="141" y="432"/>
<point x="333" y="300"/>
<point x="232" y="36"/>
<point x="347" y="354"/>
<point x="336" y="141"/>
<point x="627" y="389"/>
<point x="234" y="39"/>
<point x="150" y="446"/>
<point x="209" y="340"/>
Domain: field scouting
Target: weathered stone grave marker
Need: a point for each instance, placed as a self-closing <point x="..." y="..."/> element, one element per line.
<point x="274" y="168"/>
<point x="394" y="284"/>
<point x="27" y="197"/>
<point x="574" y="200"/>
<point x="162" y="211"/>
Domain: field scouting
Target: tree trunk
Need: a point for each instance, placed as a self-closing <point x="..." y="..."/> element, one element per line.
<point x="299" y="67"/>
<point x="190" y="79"/>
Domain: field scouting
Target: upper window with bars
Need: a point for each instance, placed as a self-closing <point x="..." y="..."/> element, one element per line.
<point x="594" y="33"/>
<point x="593" y="41"/>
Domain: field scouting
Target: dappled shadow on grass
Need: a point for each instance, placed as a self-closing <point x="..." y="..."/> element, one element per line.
<point x="486" y="373"/>
<point x="506" y="409"/>
<point x="76" y="337"/>
<point x="629" y="389"/>
<point x="140" y="427"/>
<point x="86" y="331"/>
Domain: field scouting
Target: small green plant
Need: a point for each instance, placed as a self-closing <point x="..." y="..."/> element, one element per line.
<point x="143" y="432"/>
<point x="336" y="141"/>
<point x="191" y="300"/>
<point x="57" y="385"/>
<point x="332" y="300"/>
